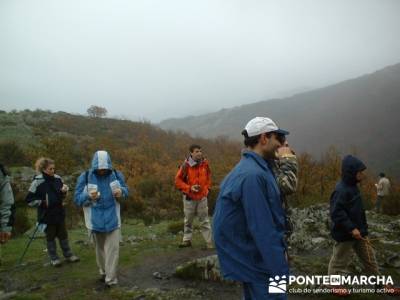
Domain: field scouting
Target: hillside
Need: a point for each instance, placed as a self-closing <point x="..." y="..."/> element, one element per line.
<point x="41" y="132"/>
<point x="147" y="155"/>
<point x="358" y="115"/>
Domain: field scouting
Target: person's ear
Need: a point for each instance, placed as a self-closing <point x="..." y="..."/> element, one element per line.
<point x="263" y="138"/>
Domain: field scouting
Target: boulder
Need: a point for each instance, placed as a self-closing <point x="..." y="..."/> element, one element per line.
<point x="206" y="268"/>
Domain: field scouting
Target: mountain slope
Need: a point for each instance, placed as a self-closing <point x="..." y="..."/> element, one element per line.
<point x="355" y="115"/>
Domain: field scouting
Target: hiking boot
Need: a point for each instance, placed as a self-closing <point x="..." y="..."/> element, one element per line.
<point x="110" y="285"/>
<point x="72" y="259"/>
<point x="56" y="262"/>
<point x="185" y="244"/>
<point x="102" y="278"/>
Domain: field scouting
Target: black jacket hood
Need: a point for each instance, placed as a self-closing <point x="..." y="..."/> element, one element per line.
<point x="350" y="166"/>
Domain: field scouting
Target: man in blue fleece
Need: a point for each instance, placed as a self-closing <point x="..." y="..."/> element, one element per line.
<point x="98" y="191"/>
<point x="249" y="220"/>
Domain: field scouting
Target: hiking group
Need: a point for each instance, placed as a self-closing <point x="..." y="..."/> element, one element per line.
<point x="251" y="222"/>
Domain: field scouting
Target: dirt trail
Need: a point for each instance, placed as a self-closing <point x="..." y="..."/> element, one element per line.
<point x="142" y="276"/>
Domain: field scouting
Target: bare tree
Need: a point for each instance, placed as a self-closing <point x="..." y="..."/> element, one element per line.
<point x="96" y="111"/>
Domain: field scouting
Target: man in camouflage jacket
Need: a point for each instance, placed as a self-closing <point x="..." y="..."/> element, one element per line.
<point x="285" y="169"/>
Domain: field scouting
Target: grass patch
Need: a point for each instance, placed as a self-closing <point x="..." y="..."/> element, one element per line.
<point x="36" y="280"/>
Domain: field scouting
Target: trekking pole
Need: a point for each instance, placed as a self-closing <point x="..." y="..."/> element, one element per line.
<point x="34" y="233"/>
<point x="29" y="243"/>
<point x="369" y="246"/>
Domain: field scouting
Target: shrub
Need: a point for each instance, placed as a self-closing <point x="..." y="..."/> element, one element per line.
<point x="175" y="227"/>
<point x="22" y="222"/>
<point x="12" y="153"/>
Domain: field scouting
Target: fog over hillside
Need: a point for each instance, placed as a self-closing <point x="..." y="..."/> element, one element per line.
<point x="358" y="115"/>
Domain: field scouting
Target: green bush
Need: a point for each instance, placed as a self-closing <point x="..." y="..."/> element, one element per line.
<point x="175" y="227"/>
<point x="149" y="186"/>
<point x="12" y="153"/>
<point x="22" y="222"/>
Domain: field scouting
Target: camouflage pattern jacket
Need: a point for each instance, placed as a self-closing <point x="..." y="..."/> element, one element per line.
<point x="285" y="170"/>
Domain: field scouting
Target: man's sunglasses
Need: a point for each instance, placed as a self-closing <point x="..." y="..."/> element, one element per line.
<point x="281" y="138"/>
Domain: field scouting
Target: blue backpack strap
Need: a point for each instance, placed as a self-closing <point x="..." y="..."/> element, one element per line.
<point x="116" y="174"/>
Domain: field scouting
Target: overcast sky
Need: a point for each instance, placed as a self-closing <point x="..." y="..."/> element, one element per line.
<point x="156" y="59"/>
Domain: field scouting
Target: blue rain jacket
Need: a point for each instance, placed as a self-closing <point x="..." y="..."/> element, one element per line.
<point x="249" y="223"/>
<point x="104" y="214"/>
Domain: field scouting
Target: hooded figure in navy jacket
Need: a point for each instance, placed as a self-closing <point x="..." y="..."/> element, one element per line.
<point x="349" y="224"/>
<point x="249" y="219"/>
<point x="346" y="207"/>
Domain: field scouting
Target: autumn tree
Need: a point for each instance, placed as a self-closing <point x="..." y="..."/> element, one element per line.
<point x="96" y="111"/>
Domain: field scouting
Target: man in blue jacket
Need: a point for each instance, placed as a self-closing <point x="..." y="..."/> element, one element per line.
<point x="97" y="191"/>
<point x="249" y="220"/>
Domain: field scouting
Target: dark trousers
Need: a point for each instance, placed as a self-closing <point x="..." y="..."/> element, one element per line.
<point x="56" y="230"/>
<point x="59" y="231"/>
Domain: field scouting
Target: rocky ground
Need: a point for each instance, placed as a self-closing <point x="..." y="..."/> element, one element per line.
<point x="311" y="248"/>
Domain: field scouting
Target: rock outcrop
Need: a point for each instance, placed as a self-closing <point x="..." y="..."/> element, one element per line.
<point x="310" y="245"/>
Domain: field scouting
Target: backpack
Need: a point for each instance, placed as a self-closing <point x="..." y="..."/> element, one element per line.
<point x="185" y="167"/>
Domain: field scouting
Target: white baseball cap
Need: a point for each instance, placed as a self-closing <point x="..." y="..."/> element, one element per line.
<point x="260" y="125"/>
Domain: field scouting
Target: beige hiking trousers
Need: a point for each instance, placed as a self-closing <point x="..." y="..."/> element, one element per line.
<point x="343" y="253"/>
<point x="191" y="208"/>
<point x="107" y="254"/>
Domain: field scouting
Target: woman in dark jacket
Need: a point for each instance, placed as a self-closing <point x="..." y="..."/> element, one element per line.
<point x="47" y="192"/>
